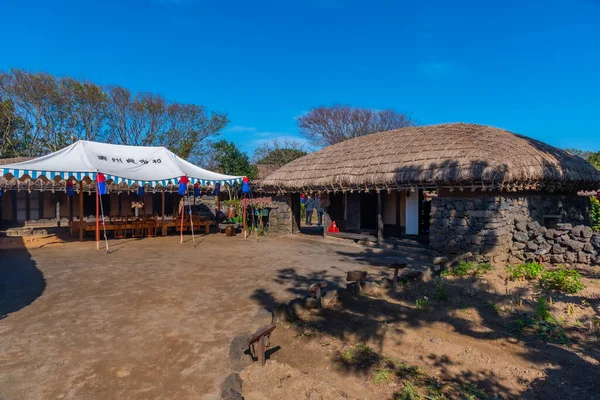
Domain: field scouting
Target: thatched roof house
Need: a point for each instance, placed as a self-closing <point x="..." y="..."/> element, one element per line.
<point x="437" y="156"/>
<point x="499" y="195"/>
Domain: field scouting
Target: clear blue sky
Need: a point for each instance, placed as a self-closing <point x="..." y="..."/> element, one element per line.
<point x="530" y="66"/>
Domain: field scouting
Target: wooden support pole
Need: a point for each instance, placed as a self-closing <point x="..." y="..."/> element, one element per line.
<point x="244" y="215"/>
<point x="162" y="221"/>
<point x="57" y="210"/>
<point x="70" y="209"/>
<point x="379" y="220"/>
<point x="182" y="210"/>
<point x="81" y="227"/>
<point x="97" y="217"/>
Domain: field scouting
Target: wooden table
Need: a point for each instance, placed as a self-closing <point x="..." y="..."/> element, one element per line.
<point x="200" y="223"/>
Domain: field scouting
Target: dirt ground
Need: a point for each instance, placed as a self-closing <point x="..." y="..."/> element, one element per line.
<point x="463" y="342"/>
<point x="153" y="319"/>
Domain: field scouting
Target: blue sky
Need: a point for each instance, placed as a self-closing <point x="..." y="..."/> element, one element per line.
<point x="532" y="66"/>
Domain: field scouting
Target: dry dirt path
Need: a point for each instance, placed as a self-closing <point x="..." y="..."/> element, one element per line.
<point x="152" y="320"/>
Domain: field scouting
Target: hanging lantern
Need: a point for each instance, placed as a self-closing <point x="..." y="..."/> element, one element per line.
<point x="183" y="181"/>
<point x="101" y="180"/>
<point x="245" y="185"/>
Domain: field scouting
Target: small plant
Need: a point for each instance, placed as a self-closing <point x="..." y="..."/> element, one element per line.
<point x="383" y="376"/>
<point x="563" y="279"/>
<point x="441" y="290"/>
<point x="409" y="392"/>
<point x="422" y="304"/>
<point x="463" y="268"/>
<point x="483" y="268"/>
<point x="527" y="271"/>
<point x="541" y="310"/>
<point x="571" y="309"/>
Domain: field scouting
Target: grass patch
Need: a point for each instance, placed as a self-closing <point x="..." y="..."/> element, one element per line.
<point x="383" y="376"/>
<point x="422" y="304"/>
<point x="465" y="268"/>
<point x="527" y="271"/>
<point x="542" y="324"/>
<point x="563" y="279"/>
<point x="408" y="392"/>
<point x="483" y="268"/>
<point x="441" y="289"/>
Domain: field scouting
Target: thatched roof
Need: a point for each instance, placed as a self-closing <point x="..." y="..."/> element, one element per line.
<point x="4" y="161"/>
<point x="437" y="156"/>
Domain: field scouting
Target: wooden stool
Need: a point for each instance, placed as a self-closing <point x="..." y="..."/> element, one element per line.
<point x="259" y="336"/>
<point x="356" y="276"/>
<point x="316" y="287"/>
<point x="396" y="266"/>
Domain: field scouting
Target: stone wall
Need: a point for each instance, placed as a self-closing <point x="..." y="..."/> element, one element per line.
<point x="512" y="228"/>
<point x="280" y="216"/>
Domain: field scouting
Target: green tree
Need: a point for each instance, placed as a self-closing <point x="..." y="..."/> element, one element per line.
<point x="230" y="160"/>
<point x="594" y="159"/>
<point x="278" y="153"/>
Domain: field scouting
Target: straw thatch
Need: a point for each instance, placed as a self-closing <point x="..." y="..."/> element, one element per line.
<point x="438" y="156"/>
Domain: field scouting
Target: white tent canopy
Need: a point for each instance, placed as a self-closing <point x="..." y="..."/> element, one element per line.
<point x="130" y="164"/>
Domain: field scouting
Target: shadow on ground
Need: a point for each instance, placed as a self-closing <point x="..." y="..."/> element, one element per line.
<point x="21" y="282"/>
<point x="571" y="371"/>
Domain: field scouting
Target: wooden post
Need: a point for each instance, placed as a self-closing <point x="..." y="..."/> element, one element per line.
<point x="218" y="208"/>
<point x="182" y="210"/>
<point x="244" y="215"/>
<point x="70" y="208"/>
<point x="81" y="227"/>
<point x="379" y="220"/>
<point x="97" y="217"/>
<point x="57" y="210"/>
<point x="162" y="221"/>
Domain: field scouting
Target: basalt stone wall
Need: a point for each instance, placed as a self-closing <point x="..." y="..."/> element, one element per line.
<point x="280" y="216"/>
<point x="503" y="228"/>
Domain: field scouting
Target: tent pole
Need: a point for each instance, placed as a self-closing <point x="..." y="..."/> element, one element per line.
<point x="244" y="215"/>
<point x="97" y="217"/>
<point x="162" y="221"/>
<point x="81" y="226"/>
<point x="182" y="211"/>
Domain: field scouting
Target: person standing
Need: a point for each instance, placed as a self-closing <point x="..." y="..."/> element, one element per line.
<point x="320" y="206"/>
<point x="310" y="206"/>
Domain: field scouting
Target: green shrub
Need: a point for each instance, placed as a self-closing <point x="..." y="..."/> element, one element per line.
<point x="441" y="290"/>
<point x="463" y="268"/>
<point x="563" y="279"/>
<point x="527" y="271"/>
<point x="595" y="213"/>
<point x="483" y="268"/>
<point x="409" y="392"/>
<point x="383" y="376"/>
<point x="422" y="304"/>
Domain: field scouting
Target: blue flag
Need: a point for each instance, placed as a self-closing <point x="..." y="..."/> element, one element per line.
<point x="140" y="191"/>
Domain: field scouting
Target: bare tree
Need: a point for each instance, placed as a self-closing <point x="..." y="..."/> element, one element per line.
<point x="327" y="125"/>
<point x="55" y="112"/>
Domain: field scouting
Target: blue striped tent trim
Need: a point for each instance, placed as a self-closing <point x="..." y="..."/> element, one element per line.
<point x="18" y="173"/>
